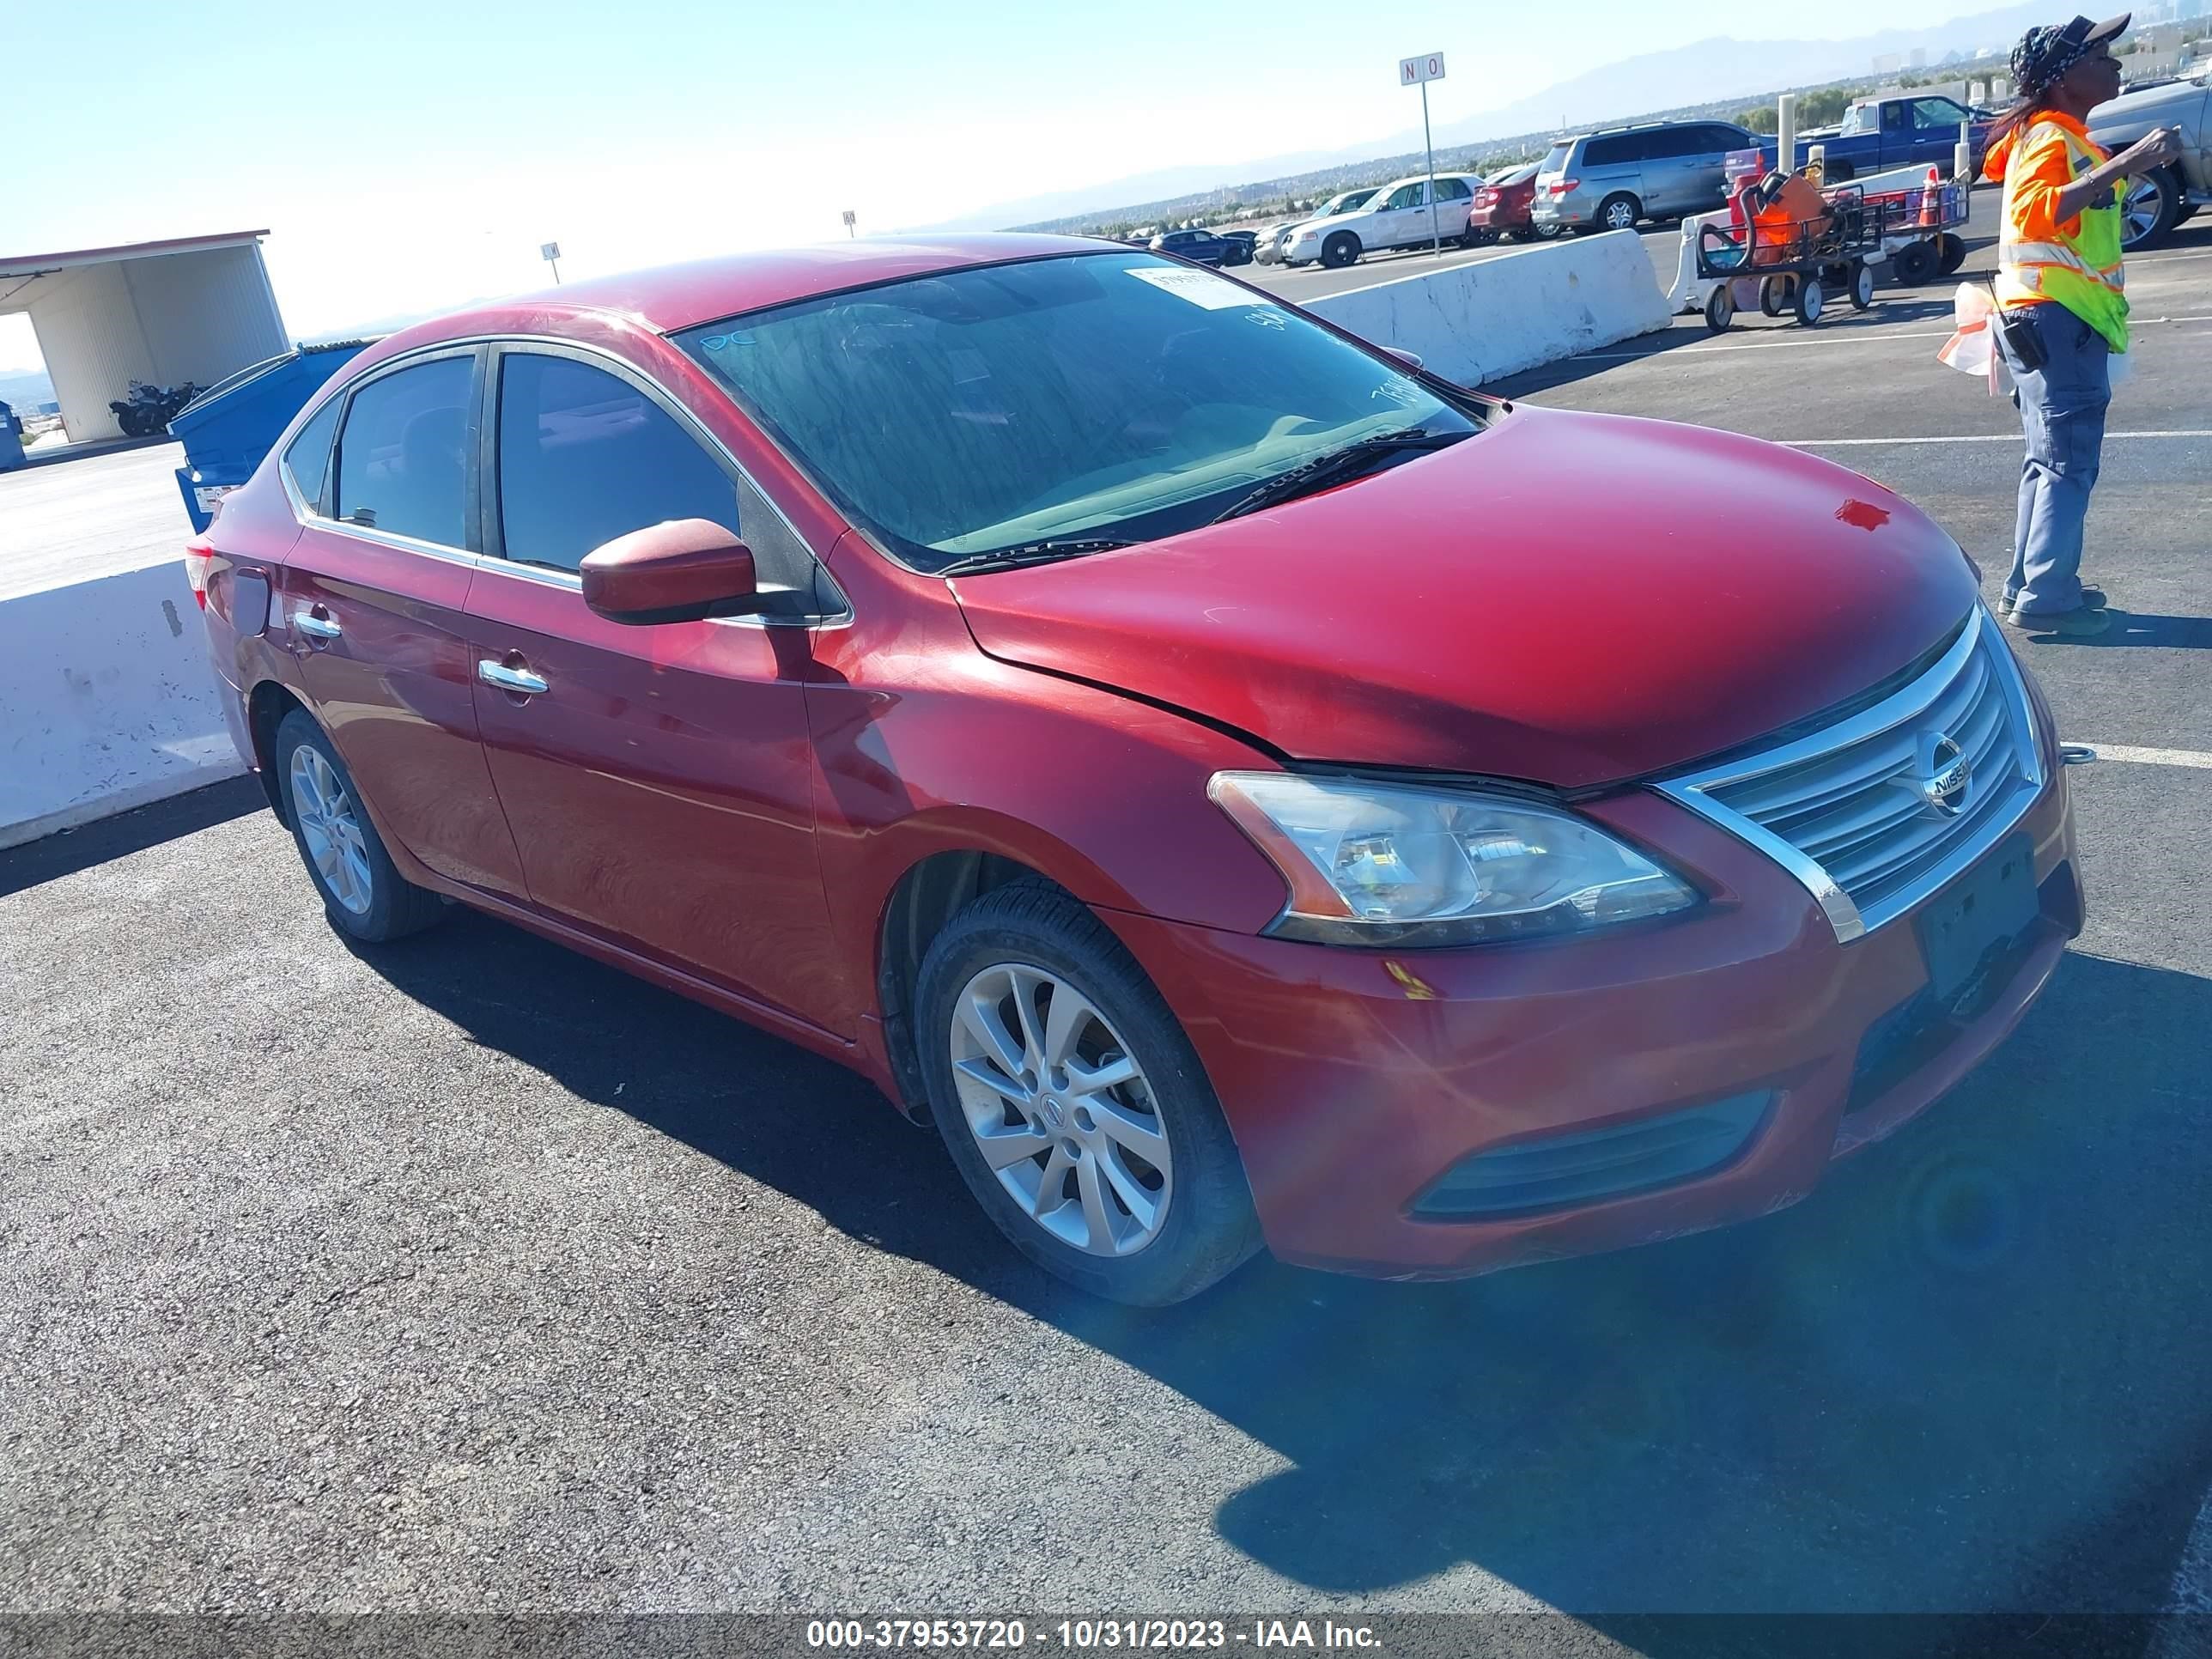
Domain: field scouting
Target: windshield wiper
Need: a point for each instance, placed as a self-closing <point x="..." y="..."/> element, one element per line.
<point x="1309" y="475"/>
<point x="1045" y="552"/>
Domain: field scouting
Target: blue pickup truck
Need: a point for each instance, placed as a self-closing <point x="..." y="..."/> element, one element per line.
<point x="1878" y="134"/>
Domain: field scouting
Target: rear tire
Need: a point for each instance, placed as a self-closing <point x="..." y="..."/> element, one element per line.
<point x="1913" y="263"/>
<point x="1812" y="301"/>
<point x="1951" y="253"/>
<point x="1720" y="308"/>
<point x="1340" y="250"/>
<point x="1619" y="212"/>
<point x="363" y="895"/>
<point x="1774" y="296"/>
<point x="1034" y="941"/>
<point x="2149" y="211"/>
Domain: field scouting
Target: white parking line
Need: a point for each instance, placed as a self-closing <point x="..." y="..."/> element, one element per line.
<point x="1864" y="334"/>
<point x="1958" y="438"/>
<point x="2121" y="752"/>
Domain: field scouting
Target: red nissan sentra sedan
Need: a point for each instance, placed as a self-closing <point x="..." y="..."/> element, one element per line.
<point x="1173" y="745"/>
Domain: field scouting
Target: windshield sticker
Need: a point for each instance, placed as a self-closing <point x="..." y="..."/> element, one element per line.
<point x="1200" y="287"/>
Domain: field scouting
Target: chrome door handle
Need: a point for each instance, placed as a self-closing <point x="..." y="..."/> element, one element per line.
<point x="492" y="672"/>
<point x="321" y="628"/>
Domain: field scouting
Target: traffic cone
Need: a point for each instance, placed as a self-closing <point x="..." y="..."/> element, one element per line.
<point x="1931" y="201"/>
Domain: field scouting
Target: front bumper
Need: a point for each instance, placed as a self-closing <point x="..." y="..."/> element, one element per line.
<point x="1354" y="1081"/>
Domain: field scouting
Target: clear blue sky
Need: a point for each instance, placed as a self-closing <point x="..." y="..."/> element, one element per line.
<point x="413" y="153"/>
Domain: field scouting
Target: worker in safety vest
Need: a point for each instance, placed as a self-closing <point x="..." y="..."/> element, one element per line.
<point x="2062" y="304"/>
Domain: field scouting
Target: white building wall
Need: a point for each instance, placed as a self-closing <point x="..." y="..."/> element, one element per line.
<point x="89" y="335"/>
<point x="164" y="318"/>
<point x="204" y="315"/>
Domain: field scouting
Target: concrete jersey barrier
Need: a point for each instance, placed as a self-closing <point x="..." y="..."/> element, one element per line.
<point x="1479" y="322"/>
<point x="106" y="701"/>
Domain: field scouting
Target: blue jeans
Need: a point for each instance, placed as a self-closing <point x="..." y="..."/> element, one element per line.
<point x="2061" y="410"/>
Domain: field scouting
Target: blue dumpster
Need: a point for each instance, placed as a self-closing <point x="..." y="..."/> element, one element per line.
<point x="228" y="428"/>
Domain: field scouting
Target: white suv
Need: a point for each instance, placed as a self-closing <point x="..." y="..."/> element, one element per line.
<point x="1397" y="216"/>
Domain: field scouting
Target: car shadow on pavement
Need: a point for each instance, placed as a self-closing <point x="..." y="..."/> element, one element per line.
<point x="1970" y="1364"/>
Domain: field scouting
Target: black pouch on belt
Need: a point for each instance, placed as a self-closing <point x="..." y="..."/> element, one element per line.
<point x="2023" y="343"/>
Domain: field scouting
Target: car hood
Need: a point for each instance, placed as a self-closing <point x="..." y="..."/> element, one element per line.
<point x="1570" y="599"/>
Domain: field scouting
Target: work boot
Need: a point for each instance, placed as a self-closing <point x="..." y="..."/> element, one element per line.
<point x="2093" y="599"/>
<point x="2085" y="623"/>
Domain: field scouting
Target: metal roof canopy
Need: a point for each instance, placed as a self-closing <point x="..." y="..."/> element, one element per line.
<point x="193" y="308"/>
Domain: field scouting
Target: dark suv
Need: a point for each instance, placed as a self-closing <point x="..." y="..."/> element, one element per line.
<point x="1660" y="170"/>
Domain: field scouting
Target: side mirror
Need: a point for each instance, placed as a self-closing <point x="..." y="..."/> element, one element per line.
<point x="684" y="570"/>
<point x="1411" y="359"/>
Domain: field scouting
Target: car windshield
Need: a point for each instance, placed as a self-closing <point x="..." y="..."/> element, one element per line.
<point x="1092" y="396"/>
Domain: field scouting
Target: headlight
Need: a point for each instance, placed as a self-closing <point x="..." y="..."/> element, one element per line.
<point x="1305" y="236"/>
<point x="1389" y="865"/>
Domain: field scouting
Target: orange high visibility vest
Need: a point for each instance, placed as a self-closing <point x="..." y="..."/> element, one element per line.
<point x="2039" y="259"/>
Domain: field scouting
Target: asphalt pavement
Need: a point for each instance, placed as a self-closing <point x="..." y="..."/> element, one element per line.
<point x="467" y="1274"/>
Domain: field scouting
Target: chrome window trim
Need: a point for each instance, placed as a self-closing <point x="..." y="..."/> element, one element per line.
<point x="307" y="517"/>
<point x="1900" y="709"/>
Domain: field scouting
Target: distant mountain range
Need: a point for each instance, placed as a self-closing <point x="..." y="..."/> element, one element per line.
<point x="1705" y="72"/>
<point x="25" y="388"/>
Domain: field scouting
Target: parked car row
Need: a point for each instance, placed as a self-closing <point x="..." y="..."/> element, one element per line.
<point x="1619" y="177"/>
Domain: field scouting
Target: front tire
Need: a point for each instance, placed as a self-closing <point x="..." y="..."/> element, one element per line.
<point x="363" y="895"/>
<point x="1073" y="1105"/>
<point x="1340" y="250"/>
<point x="1812" y="301"/>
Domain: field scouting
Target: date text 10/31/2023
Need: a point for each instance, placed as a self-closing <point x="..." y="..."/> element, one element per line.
<point x="1087" y="1635"/>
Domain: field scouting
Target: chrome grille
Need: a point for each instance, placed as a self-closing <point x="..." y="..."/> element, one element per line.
<point x="1849" y="810"/>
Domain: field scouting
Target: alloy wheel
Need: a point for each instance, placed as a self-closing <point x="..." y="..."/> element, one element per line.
<point x="1061" y="1110"/>
<point x="330" y="826"/>
<point x="2140" y="209"/>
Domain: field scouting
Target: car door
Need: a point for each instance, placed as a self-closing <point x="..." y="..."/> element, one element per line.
<point x="1392" y="226"/>
<point x="1704" y="186"/>
<point x="659" y="777"/>
<point x="1454" y="197"/>
<point x="1896" y="133"/>
<point x="1935" y="122"/>
<point x="372" y="602"/>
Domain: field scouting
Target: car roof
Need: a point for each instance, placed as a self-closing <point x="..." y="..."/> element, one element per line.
<point x="1651" y="126"/>
<point x="674" y="297"/>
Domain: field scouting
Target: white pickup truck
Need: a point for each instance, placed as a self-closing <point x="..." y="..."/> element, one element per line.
<point x="2157" y="201"/>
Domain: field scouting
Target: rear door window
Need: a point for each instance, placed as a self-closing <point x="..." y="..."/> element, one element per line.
<point x="1617" y="151"/>
<point x="1452" y="189"/>
<point x="404" y="457"/>
<point x="1668" y="143"/>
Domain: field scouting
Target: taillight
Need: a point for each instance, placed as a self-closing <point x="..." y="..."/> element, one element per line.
<point x="199" y="561"/>
<point x="1561" y="187"/>
<point x="1486" y="197"/>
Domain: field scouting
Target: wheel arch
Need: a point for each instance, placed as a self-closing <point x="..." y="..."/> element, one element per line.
<point x="266" y="709"/>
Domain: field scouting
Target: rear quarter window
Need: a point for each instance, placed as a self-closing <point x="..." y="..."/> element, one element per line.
<point x="308" y="457"/>
<point x="1612" y="152"/>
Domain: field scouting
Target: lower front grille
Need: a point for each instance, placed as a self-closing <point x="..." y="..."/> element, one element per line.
<point x="1595" y="1164"/>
